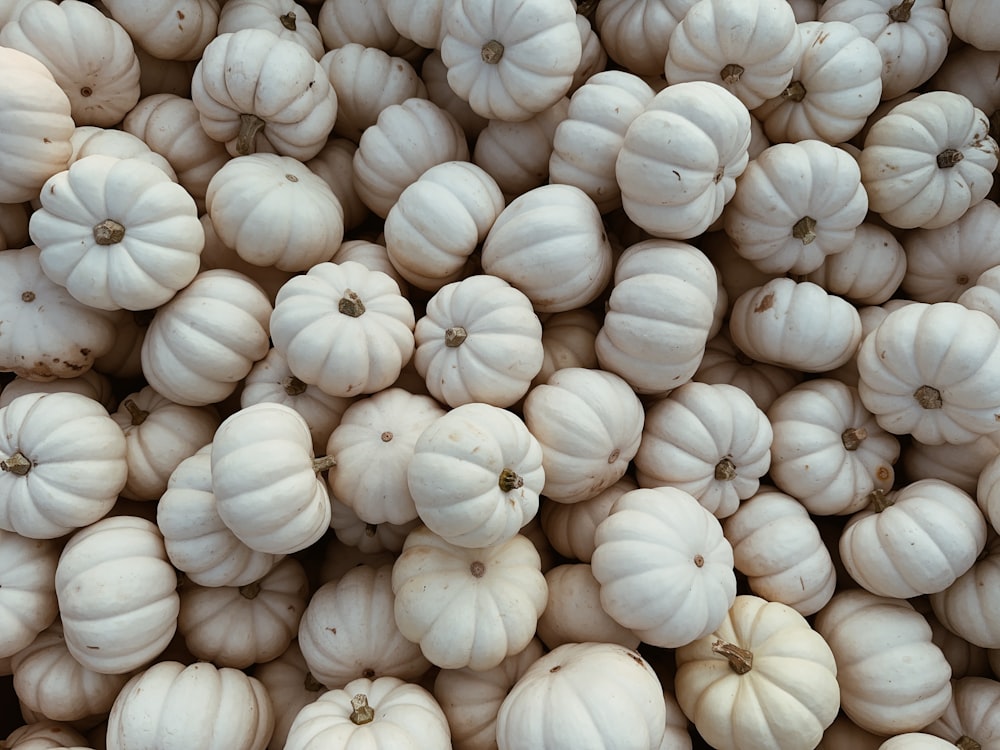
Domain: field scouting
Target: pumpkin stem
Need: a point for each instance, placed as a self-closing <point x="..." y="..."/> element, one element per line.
<point x="250" y="126"/>
<point x="901" y="13"/>
<point x="386" y="436"/>
<point x="371" y="529"/>
<point x="795" y="91"/>
<point x="965" y="742"/>
<point x="949" y="158"/>
<point x="362" y="713"/>
<point x="852" y="437"/>
<point x="510" y="480"/>
<point x="805" y="230"/>
<point x="311" y="683"/>
<point x="731" y="73"/>
<point x="288" y="20"/>
<point x="492" y="52"/>
<point x="454" y="336"/>
<point x="928" y="397"/>
<point x="323" y="463"/>
<point x="477" y="569"/>
<point x="725" y="470"/>
<point x="351" y="304"/>
<point x="250" y="590"/>
<point x="138" y="415"/>
<point x="108" y="232"/>
<point x="16" y="464"/>
<point x="293" y="386"/>
<point x="880" y="500"/>
<point x="740" y="660"/>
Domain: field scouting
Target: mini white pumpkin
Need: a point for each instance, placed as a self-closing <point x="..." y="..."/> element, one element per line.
<point x="28" y="603"/>
<point x="176" y="30"/>
<point x="570" y="527"/>
<point x="574" y="613"/>
<point x="475" y="475"/>
<point x="286" y="18"/>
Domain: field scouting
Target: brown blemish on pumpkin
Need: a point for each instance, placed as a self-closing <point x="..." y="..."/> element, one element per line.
<point x="766" y="303"/>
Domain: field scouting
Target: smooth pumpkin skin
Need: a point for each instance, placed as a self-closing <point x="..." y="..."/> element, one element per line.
<point x="28" y="603"/>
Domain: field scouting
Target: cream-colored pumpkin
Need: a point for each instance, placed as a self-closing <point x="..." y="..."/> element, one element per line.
<point x="973" y="715"/>
<point x="206" y="339"/>
<point x="960" y="464"/>
<point x="64" y="463"/>
<point x="91" y="384"/>
<point x="28" y="602"/>
<point x="176" y="30"/>
<point x="646" y="274"/>
<point x="439" y="221"/>
<point x="509" y="59"/>
<point x="197" y="541"/>
<point x="749" y="48"/>
<point x="373" y="256"/>
<point x="369" y="538"/>
<point x="335" y="164"/>
<point x="286" y="18"/>
<point x="586" y="143"/>
<point x="574" y="613"/>
<point x="124" y="555"/>
<point x="343" y="22"/>
<point x="349" y="631"/>
<point x="796" y="325"/>
<point x="90" y="139"/>
<point x="570" y="527"/>
<point x="45" y="733"/>
<point x="928" y="161"/>
<point x="517" y="154"/>
<point x="258" y="92"/>
<point x="50" y="682"/>
<point x="375" y="713"/>
<point x="448" y="597"/>
<point x="90" y="56"/>
<point x="218" y="255"/>
<point x="290" y="686"/>
<point x="969" y="607"/>
<point x="479" y="340"/>
<point x="551" y="244"/>
<point x="117" y="233"/>
<point x="434" y="74"/>
<point x="763" y="679"/>
<point x="665" y="568"/>
<point x="568" y="341"/>
<point x="406" y="140"/>
<point x="711" y="441"/>
<point x="680" y="159"/>
<point x="625" y="706"/>
<point x="367" y="80"/>
<point x="636" y="33"/>
<point x="238" y="626"/>
<point x="159" y="434"/>
<point x="343" y="328"/>
<point x="274" y="211"/>
<point x="869" y="271"/>
<point x="970" y="24"/>
<point x="266" y="479"/>
<point x="893" y="679"/>
<point x="945" y="389"/>
<point x="424" y="25"/>
<point x="36" y="126"/>
<point x="829" y="452"/>
<point x="475" y="475"/>
<point x="836" y="84"/>
<point x="171" y="706"/>
<point x="723" y="363"/>
<point x="471" y="699"/>
<point x="589" y="424"/>
<point x="270" y="380"/>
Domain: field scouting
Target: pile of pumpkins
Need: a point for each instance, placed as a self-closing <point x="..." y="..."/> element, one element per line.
<point x="500" y="374"/>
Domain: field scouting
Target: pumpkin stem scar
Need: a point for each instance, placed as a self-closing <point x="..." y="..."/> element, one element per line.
<point x="454" y="336"/>
<point x="852" y="437"/>
<point x="108" y="232"/>
<point x="725" y="470"/>
<point x="492" y="52"/>
<point x="949" y="158"/>
<point x="16" y="464"/>
<point x="740" y="659"/>
<point x="510" y="480"/>
<point x="351" y="304"/>
<point x="928" y="397"/>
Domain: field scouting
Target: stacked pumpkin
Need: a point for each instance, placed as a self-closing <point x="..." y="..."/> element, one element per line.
<point x="504" y="374"/>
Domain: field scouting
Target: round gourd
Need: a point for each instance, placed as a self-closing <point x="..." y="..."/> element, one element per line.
<point x="968" y="608"/>
<point x="636" y="33"/>
<point x="972" y="717"/>
<point x="570" y="527"/>
<point x="343" y="22"/>
<point x="665" y="568"/>
<point x="286" y="18"/>
<point x="28" y="602"/>
<point x="969" y="25"/>
<point x="869" y="271"/>
<point x="574" y="613"/>
<point x="291" y="686"/>
<point x="176" y="30"/>
<point x="723" y="363"/>
<point x="762" y="679"/>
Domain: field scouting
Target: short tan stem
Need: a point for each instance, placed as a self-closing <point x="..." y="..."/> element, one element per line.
<point x="928" y="397"/>
<point x="731" y="73"/>
<point x="725" y="470"/>
<point x="740" y="660"/>
<point x="250" y="590"/>
<point x="293" y="386"/>
<point x="138" y="415"/>
<point x="901" y="13"/>
<point x="949" y="158"/>
<point x="351" y="304"/>
<point x="288" y="20"/>
<point x="16" y="464"/>
<point x="852" y="437"/>
<point x="371" y="530"/>
<point x="492" y="52"/>
<point x="805" y="230"/>
<point x="796" y="92"/>
<point x="880" y="500"/>
<point x="108" y="232"/>
<point x="965" y="742"/>
<point x="510" y="480"/>
<point x="250" y="126"/>
<point x="323" y="463"/>
<point x="455" y="336"/>
<point x="362" y="713"/>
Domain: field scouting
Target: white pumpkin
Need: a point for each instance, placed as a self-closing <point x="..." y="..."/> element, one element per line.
<point x="972" y="716"/>
<point x="869" y="271"/>
<point x="969" y="606"/>
<point x="286" y="18"/>
<point x="176" y="30"/>
<point x="290" y="686"/>
<point x="28" y="603"/>
<point x="570" y="527"/>
<point x="574" y="613"/>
